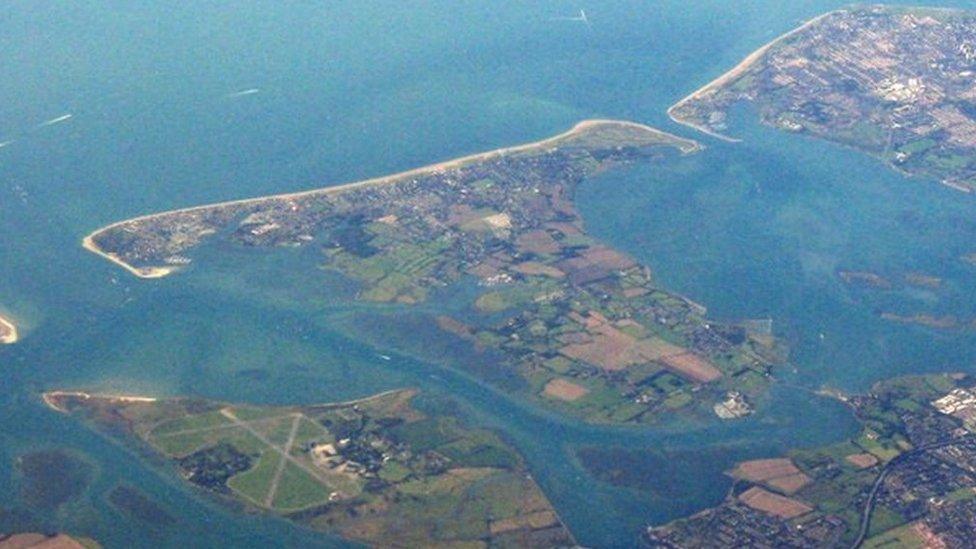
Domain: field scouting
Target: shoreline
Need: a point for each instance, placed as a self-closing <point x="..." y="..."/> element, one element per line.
<point x="12" y="336"/>
<point x="956" y="186"/>
<point x="685" y="145"/>
<point x="410" y="391"/>
<point x="88" y="243"/>
<point x="734" y="73"/>
<point x="49" y="396"/>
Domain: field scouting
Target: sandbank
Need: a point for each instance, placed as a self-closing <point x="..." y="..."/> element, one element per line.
<point x="8" y="331"/>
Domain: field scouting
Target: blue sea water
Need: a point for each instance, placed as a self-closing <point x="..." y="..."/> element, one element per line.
<point x="349" y="90"/>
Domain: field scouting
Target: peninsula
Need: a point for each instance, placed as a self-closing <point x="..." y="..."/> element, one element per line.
<point x="906" y="480"/>
<point x="897" y="83"/>
<point x="164" y="249"/>
<point x="8" y="331"/>
<point x="374" y="470"/>
<point x="578" y="325"/>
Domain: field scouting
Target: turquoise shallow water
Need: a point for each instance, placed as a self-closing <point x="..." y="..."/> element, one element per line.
<point x="356" y="89"/>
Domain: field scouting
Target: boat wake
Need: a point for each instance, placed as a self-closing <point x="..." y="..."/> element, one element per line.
<point x="53" y="121"/>
<point x="242" y="93"/>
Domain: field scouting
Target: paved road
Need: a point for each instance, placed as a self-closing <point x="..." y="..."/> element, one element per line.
<point x="886" y="470"/>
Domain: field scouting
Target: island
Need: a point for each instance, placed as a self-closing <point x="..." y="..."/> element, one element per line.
<point x="580" y="326"/>
<point x="946" y="322"/>
<point x="8" y="332"/>
<point x="871" y="281"/>
<point x="908" y="479"/>
<point x="897" y="83"/>
<point x="375" y="470"/>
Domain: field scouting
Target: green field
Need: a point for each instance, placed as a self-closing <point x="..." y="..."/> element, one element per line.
<point x="375" y="470"/>
<point x="265" y="434"/>
<point x="902" y="537"/>
<point x="297" y="490"/>
<point x="254" y="483"/>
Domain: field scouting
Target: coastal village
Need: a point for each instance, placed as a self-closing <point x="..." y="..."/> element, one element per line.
<point x="898" y="83"/>
<point x="907" y="480"/>
<point x="583" y="326"/>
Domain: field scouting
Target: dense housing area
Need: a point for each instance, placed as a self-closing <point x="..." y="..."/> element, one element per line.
<point x="897" y="83"/>
<point x="907" y="480"/>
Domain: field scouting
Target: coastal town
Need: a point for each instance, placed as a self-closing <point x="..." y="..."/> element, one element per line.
<point x="908" y="479"/>
<point x="897" y="83"/>
<point x="582" y="325"/>
<point x="375" y="470"/>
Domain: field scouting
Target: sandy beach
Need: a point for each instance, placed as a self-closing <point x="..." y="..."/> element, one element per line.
<point x="735" y="73"/>
<point x="145" y="272"/>
<point x="50" y="398"/>
<point x="686" y="146"/>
